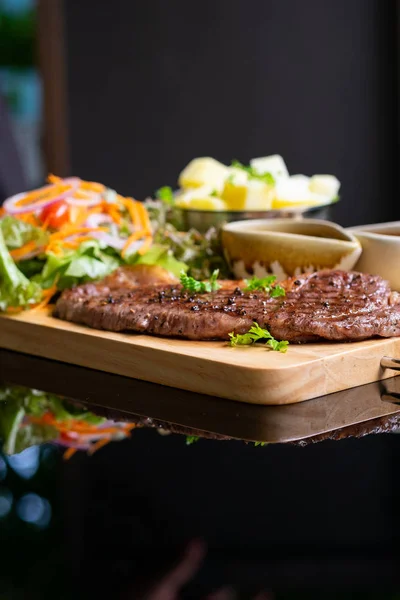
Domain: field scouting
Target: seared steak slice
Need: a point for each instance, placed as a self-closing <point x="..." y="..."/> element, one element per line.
<point x="138" y="275"/>
<point x="330" y="305"/>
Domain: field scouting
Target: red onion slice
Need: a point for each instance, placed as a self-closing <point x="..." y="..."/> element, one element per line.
<point x="93" y="199"/>
<point x="71" y="444"/>
<point x="134" y="247"/>
<point x="97" y="219"/>
<point x="10" y="205"/>
<point x="72" y="181"/>
<point x="110" y="240"/>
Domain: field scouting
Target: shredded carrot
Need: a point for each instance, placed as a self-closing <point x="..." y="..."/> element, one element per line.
<point x="2" y="212"/>
<point x="146" y="245"/>
<point x="57" y="241"/>
<point x="129" y="426"/>
<point x="53" y="178"/>
<point x="76" y="243"/>
<point x="82" y="194"/>
<point x="69" y="452"/>
<point x="144" y="217"/>
<point x="131" y="207"/>
<point x="45" y="224"/>
<point x="38" y="197"/>
<point x="86" y="185"/>
<point x="140" y="219"/>
<point x="13" y="310"/>
<point x="54" y="248"/>
<point x="47" y="296"/>
<point x="51" y="290"/>
<point x="93" y="186"/>
<point x="29" y="218"/>
<point x="20" y="253"/>
<point x="94" y="447"/>
<point x="71" y="230"/>
<point x="73" y="426"/>
<point x="78" y="214"/>
<point x="112" y="210"/>
<point x="42" y="304"/>
<point x="132" y="238"/>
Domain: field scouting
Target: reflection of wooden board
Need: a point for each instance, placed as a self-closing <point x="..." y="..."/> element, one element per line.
<point x="248" y="374"/>
<point x="355" y="410"/>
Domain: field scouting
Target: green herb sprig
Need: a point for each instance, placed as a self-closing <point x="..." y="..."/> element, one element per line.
<point x="191" y="439"/>
<point x="260" y="443"/>
<point x="253" y="173"/>
<point x="166" y="195"/>
<point x="190" y="284"/>
<point x="258" y="334"/>
<point x="264" y="285"/>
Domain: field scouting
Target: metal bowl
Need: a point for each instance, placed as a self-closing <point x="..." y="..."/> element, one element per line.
<point x="202" y="220"/>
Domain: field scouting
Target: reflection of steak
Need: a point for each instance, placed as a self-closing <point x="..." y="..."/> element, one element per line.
<point x="331" y="305"/>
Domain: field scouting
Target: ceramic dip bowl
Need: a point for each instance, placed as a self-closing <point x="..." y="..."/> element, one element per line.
<point x="286" y="247"/>
<point x="380" y="250"/>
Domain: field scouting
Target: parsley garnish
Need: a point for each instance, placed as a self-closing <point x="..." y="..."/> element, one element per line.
<point x="190" y="284"/>
<point x="253" y="174"/>
<point x="258" y="334"/>
<point x="190" y="439"/>
<point x="166" y="195"/>
<point x="264" y="285"/>
<point x="214" y="193"/>
<point x="260" y="443"/>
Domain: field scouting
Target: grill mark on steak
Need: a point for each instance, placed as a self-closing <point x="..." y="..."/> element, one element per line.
<point x="329" y="305"/>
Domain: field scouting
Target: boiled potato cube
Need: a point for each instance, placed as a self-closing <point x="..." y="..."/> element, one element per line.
<point x="326" y="185"/>
<point x="270" y="164"/>
<point x="293" y="191"/>
<point x="204" y="171"/>
<point x="200" y="199"/>
<point x="253" y="195"/>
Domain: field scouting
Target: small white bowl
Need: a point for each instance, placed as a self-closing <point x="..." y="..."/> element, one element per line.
<point x="380" y="251"/>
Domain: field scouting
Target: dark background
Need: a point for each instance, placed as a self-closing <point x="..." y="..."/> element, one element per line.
<point x="321" y="518"/>
<point x="154" y="84"/>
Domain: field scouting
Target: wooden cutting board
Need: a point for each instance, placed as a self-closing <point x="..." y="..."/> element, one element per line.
<point x="254" y="374"/>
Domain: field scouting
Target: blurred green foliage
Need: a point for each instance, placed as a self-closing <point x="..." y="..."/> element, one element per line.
<point x="17" y="39"/>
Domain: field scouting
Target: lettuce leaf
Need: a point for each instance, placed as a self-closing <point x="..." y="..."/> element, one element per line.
<point x="88" y="263"/>
<point x="30" y="434"/>
<point x="15" y="289"/>
<point x="93" y="261"/>
<point x="31" y="266"/>
<point x="17" y="233"/>
<point x="11" y="417"/>
<point x="161" y="256"/>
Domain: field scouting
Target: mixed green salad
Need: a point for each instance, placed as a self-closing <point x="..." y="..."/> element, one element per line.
<point x="72" y="232"/>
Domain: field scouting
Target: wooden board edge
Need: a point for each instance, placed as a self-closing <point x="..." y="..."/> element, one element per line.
<point x="195" y="374"/>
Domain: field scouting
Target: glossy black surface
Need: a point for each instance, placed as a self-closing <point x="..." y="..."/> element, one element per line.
<point x="280" y="516"/>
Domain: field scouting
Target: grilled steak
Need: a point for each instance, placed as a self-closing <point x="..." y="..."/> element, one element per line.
<point x="330" y="305"/>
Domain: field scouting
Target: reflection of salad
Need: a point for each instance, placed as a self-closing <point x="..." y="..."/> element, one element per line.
<point x="29" y="417"/>
<point x="73" y="231"/>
